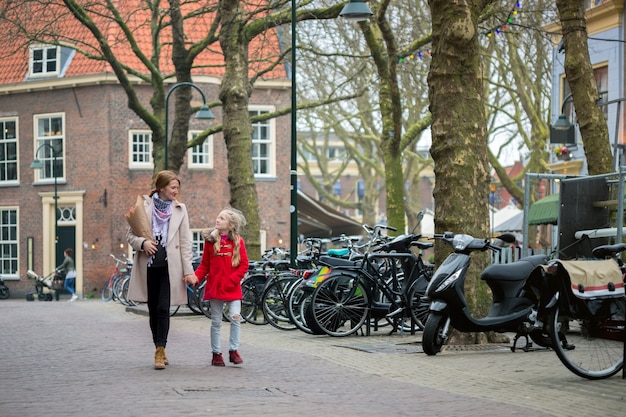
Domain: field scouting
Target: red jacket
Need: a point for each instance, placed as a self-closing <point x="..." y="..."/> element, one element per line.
<point x="223" y="279"/>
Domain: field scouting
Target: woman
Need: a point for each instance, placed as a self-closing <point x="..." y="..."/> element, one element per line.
<point x="162" y="266"/>
<point x="69" y="271"/>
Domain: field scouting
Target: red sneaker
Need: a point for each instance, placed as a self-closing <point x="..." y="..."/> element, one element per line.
<point x="234" y="357"/>
<point x="217" y="360"/>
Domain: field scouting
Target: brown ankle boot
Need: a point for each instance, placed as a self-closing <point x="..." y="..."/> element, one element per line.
<point x="165" y="360"/>
<point x="158" y="358"/>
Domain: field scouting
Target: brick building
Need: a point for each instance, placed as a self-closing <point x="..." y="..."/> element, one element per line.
<point x="70" y="113"/>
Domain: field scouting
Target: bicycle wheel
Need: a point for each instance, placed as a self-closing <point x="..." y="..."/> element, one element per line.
<point x="436" y="332"/>
<point x="174" y="310"/>
<point x="123" y="294"/>
<point x="590" y="348"/>
<point x="418" y="308"/>
<point x="297" y="300"/>
<point x="339" y="305"/>
<point x="193" y="299"/>
<point x="251" y="304"/>
<point x="107" y="290"/>
<point x="274" y="301"/>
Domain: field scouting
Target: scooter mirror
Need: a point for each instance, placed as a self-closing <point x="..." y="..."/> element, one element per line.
<point x="507" y="237"/>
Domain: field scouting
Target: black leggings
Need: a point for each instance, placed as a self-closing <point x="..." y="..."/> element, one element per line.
<point x="159" y="304"/>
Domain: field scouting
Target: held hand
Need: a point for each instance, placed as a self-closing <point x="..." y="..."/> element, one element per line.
<point x="190" y="279"/>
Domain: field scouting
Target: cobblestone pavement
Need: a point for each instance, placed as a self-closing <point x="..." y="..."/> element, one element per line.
<point x="90" y="358"/>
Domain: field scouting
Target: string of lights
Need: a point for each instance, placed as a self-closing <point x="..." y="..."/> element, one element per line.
<point x="496" y="30"/>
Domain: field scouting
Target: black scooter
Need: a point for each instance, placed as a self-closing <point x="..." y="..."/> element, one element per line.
<point x="514" y="302"/>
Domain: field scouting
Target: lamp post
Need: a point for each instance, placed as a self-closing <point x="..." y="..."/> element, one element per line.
<point x="203" y="113"/>
<point x="356" y="10"/>
<point x="293" y="168"/>
<point x="37" y="164"/>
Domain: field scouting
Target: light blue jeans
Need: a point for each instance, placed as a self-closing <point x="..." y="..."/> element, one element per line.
<point x="70" y="282"/>
<point x="234" y="316"/>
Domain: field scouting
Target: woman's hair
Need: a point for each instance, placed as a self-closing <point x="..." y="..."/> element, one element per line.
<point x="69" y="252"/>
<point x="162" y="180"/>
<point x="236" y="222"/>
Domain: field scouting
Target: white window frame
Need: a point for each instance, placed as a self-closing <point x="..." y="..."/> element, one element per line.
<point x="197" y="242"/>
<point x="204" y="152"/>
<point x="10" y="275"/>
<point x="4" y="142"/>
<point x="270" y="140"/>
<point x="44" y="61"/>
<point x="44" y="153"/>
<point x="147" y="153"/>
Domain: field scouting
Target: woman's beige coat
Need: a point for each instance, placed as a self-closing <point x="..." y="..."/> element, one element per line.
<point x="179" y="256"/>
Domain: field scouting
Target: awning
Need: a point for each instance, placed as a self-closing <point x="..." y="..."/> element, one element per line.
<point x="316" y="219"/>
<point x="514" y="224"/>
<point x="544" y="211"/>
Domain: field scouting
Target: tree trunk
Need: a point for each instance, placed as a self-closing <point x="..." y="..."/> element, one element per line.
<point x="234" y="94"/>
<point x="177" y="143"/>
<point x="579" y="73"/>
<point x="459" y="134"/>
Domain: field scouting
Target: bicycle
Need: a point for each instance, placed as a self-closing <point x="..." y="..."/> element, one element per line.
<point x="112" y="288"/>
<point x="583" y="303"/>
<point x="317" y="266"/>
<point x="255" y="281"/>
<point x="387" y="285"/>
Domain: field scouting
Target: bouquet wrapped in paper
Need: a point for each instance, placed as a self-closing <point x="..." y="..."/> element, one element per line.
<point x="138" y="220"/>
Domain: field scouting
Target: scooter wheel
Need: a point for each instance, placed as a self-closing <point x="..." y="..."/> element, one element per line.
<point x="433" y="337"/>
<point x="48" y="297"/>
<point x="30" y="297"/>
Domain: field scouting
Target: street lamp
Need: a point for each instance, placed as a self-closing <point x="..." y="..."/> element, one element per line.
<point x="203" y="113"/>
<point x="562" y="131"/>
<point x="356" y="10"/>
<point x="37" y="164"/>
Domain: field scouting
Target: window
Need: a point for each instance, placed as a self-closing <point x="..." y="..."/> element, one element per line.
<point x="200" y="156"/>
<point x="263" y="145"/>
<point x="601" y="75"/>
<point x="8" y="242"/>
<point x="336" y="152"/>
<point x="49" y="137"/>
<point x="140" y="149"/>
<point x="197" y="243"/>
<point x="8" y="150"/>
<point x="44" y="61"/>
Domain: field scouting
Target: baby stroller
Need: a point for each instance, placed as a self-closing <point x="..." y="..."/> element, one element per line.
<point x="44" y="286"/>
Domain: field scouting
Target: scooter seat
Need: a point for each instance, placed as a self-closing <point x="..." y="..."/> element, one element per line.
<point x="515" y="271"/>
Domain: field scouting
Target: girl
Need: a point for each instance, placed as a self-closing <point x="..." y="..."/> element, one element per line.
<point x="224" y="263"/>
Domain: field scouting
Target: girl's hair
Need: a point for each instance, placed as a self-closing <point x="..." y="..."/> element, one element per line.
<point x="69" y="252"/>
<point x="236" y="222"/>
<point x="163" y="179"/>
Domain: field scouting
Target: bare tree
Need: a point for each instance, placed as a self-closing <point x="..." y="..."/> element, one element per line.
<point x="386" y="122"/>
<point x="579" y="72"/>
<point x="459" y="129"/>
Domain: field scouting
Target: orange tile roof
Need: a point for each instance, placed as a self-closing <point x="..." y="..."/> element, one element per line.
<point x="14" y="58"/>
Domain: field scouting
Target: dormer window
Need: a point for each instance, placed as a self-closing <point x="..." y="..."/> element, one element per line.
<point x="45" y="61"/>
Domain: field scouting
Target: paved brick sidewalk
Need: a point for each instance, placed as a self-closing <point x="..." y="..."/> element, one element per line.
<point x="91" y="358"/>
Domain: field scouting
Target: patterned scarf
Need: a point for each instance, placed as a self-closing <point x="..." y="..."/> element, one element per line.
<point x="161" y="213"/>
